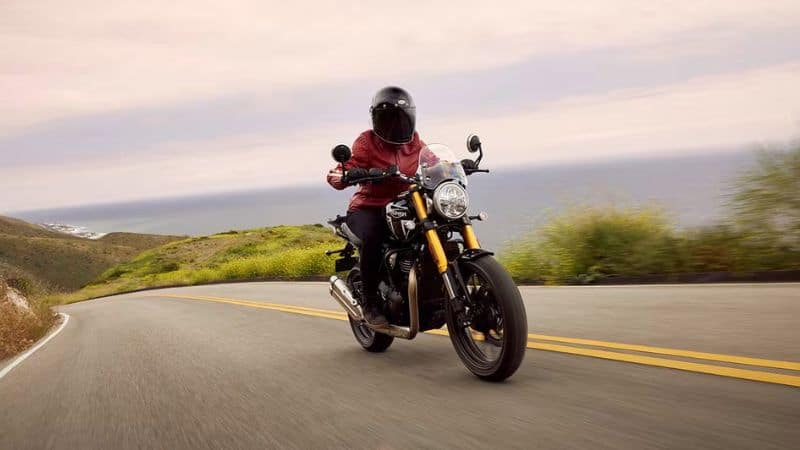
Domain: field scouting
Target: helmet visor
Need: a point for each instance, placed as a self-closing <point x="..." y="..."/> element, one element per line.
<point x="394" y="124"/>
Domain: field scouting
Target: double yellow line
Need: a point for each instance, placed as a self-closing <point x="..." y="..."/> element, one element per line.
<point x="556" y="344"/>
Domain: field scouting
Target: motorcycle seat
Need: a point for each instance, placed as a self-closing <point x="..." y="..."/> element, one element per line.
<point x="338" y="221"/>
<point x="350" y="235"/>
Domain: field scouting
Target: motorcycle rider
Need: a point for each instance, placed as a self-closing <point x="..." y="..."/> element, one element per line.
<point x="392" y="141"/>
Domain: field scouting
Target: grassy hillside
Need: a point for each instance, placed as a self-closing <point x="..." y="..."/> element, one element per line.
<point x="283" y="252"/>
<point x="65" y="262"/>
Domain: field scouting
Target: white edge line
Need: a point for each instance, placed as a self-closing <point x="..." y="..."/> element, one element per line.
<point x="31" y="351"/>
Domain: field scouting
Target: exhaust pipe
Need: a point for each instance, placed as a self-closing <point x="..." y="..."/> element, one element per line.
<point x="341" y="293"/>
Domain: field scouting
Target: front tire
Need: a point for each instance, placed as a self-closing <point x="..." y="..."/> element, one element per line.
<point x="368" y="338"/>
<point x="493" y="346"/>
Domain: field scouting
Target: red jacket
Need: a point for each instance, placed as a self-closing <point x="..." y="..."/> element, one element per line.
<point x="370" y="151"/>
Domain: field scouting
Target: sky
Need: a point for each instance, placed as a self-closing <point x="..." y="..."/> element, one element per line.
<point x="115" y="101"/>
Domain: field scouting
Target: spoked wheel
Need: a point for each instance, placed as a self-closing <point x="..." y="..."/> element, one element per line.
<point x="493" y="345"/>
<point x="366" y="336"/>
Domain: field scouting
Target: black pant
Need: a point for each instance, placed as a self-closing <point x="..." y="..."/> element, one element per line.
<point x="370" y="226"/>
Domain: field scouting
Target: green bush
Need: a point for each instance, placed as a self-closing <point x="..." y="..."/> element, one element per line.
<point x="717" y="248"/>
<point x="288" y="264"/>
<point x="765" y="210"/>
<point x="585" y="244"/>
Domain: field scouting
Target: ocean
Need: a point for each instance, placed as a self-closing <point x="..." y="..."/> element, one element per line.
<point x="691" y="189"/>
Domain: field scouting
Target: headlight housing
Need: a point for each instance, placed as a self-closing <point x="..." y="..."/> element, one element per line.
<point x="450" y="200"/>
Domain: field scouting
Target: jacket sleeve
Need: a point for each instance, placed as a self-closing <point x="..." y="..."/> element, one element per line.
<point x="360" y="158"/>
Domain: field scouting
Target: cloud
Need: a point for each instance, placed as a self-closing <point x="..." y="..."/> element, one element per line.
<point x="706" y="113"/>
<point x="516" y="88"/>
<point x="62" y="59"/>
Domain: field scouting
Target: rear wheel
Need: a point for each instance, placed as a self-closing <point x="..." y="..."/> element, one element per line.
<point x="493" y="345"/>
<point x="366" y="336"/>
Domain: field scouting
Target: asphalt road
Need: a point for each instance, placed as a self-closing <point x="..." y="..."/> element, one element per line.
<point x="217" y="367"/>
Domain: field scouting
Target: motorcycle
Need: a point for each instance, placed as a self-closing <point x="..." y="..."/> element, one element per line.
<point x="434" y="271"/>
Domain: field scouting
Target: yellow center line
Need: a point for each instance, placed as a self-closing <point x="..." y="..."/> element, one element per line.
<point x="744" y="360"/>
<point x="754" y="375"/>
<point x="273" y="306"/>
<point x="276" y="305"/>
<point x="767" y="377"/>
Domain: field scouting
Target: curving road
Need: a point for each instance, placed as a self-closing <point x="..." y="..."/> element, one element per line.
<point x="272" y="365"/>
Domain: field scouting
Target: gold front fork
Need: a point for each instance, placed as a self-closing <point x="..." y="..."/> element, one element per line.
<point x="470" y="241"/>
<point x="434" y="243"/>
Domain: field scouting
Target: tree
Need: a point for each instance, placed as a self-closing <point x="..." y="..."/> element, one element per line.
<point x="766" y="204"/>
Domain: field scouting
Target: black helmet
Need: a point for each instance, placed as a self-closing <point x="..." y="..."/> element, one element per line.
<point x="393" y="115"/>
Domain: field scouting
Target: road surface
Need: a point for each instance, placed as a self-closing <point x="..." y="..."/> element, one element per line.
<point x="265" y="365"/>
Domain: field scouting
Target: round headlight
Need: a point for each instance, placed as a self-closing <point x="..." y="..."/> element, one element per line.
<point x="450" y="200"/>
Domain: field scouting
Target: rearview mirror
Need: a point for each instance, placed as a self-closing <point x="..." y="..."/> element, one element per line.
<point x="341" y="153"/>
<point x="473" y="143"/>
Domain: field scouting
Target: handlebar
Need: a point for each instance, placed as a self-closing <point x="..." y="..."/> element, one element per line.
<point x="471" y="171"/>
<point x="375" y="174"/>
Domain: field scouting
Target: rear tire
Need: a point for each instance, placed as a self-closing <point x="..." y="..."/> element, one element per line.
<point x="371" y="340"/>
<point x="496" y="292"/>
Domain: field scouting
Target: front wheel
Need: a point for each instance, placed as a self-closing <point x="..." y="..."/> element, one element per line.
<point x="493" y="345"/>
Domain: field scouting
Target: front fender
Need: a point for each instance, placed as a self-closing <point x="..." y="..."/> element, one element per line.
<point x="473" y="254"/>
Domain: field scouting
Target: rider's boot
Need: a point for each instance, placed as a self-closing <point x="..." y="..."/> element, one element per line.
<point x="372" y="313"/>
